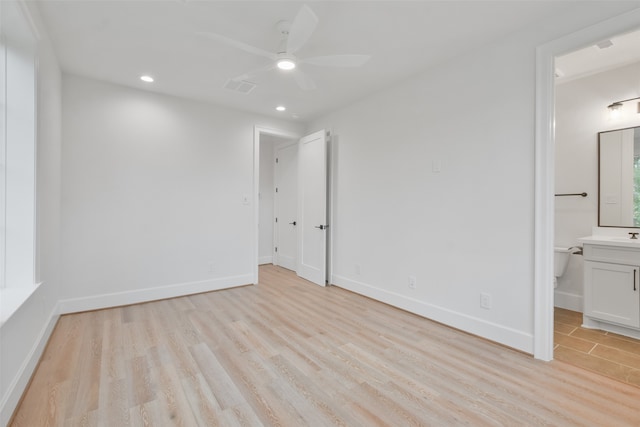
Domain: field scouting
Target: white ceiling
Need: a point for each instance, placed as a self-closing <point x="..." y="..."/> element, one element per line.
<point x="623" y="50"/>
<point x="119" y="40"/>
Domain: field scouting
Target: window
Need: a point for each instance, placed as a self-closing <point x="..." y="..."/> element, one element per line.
<point x="17" y="149"/>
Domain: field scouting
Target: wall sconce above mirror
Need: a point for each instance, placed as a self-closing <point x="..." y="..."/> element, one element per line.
<point x="615" y="107"/>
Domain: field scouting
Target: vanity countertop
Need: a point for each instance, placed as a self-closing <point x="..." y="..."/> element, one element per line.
<point x="621" y="241"/>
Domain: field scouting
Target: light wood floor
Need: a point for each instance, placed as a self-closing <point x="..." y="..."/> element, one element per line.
<point x="599" y="351"/>
<point x="290" y="353"/>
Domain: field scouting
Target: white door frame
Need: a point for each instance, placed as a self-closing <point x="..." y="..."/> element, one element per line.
<point x="545" y="169"/>
<point x="257" y="131"/>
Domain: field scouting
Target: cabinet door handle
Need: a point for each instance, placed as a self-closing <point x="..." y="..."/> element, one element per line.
<point x="634" y="279"/>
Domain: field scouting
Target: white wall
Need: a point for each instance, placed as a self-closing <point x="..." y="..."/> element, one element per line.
<point x="580" y="114"/>
<point x="466" y="229"/>
<point x="152" y="201"/>
<point x="24" y="335"/>
<point x="152" y="190"/>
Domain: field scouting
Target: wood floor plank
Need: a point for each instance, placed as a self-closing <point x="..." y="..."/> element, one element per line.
<point x="574" y="342"/>
<point x="202" y="402"/>
<point x="604" y="366"/>
<point x="616" y="355"/>
<point x="603" y="338"/>
<point x="290" y="353"/>
<point x="563" y="328"/>
<point x="567" y="317"/>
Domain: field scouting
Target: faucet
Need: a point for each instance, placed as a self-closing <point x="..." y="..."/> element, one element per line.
<point x="634" y="236"/>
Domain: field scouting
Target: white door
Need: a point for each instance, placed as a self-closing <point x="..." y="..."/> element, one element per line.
<point x="312" y="211"/>
<point x="286" y="206"/>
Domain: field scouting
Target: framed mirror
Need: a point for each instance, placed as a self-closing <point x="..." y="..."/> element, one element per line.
<point x="619" y="178"/>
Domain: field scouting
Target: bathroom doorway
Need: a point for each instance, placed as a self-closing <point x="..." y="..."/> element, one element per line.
<point x="559" y="220"/>
<point x="587" y="81"/>
<point x="545" y="171"/>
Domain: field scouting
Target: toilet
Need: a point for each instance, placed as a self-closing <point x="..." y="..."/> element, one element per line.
<point x="560" y="262"/>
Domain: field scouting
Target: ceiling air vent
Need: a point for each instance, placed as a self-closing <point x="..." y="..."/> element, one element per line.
<point x="241" y="86"/>
<point x="604" y="44"/>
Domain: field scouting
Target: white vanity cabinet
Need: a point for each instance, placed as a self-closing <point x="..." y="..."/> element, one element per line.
<point x="610" y="293"/>
<point x="612" y="287"/>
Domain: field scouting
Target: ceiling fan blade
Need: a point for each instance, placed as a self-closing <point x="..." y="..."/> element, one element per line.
<point x="303" y="26"/>
<point x="239" y="45"/>
<point x="338" y="60"/>
<point x="251" y="74"/>
<point x="304" y="81"/>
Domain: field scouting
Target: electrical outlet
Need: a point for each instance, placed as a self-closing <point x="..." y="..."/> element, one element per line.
<point x="358" y="269"/>
<point x="212" y="267"/>
<point x="412" y="282"/>
<point x="485" y="301"/>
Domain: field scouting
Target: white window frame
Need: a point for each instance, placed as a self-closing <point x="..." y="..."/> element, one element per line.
<point x="18" y="125"/>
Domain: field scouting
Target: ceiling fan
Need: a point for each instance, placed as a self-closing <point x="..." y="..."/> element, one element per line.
<point x="294" y="36"/>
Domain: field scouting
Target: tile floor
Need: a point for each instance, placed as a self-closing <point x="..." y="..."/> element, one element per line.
<point x="598" y="351"/>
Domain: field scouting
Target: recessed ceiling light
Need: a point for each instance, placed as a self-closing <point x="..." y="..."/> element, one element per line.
<point x="147" y="79"/>
<point x="286" y="64"/>
<point x="281" y="108"/>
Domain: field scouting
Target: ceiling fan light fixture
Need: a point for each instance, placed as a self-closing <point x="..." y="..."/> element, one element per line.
<point x="286" y="64"/>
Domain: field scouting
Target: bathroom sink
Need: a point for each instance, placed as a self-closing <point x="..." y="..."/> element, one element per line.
<point x="611" y="240"/>
<point x="622" y="239"/>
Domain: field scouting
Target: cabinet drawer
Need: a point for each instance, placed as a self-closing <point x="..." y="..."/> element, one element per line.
<point x="613" y="254"/>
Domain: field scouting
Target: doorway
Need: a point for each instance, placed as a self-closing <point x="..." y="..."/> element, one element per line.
<point x="545" y="167"/>
<point x="584" y="126"/>
<point x="291" y="228"/>
<point x="264" y="147"/>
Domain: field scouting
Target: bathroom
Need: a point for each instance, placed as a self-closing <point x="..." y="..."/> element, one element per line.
<point x="587" y="82"/>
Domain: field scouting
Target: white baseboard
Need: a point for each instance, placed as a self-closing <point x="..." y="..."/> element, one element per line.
<point x="23" y="376"/>
<point x="567" y="301"/>
<point x="116" y="299"/>
<point x="265" y="260"/>
<point x="590" y="323"/>
<point x="499" y="333"/>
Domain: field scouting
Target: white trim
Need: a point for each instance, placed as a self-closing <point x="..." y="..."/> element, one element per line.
<point x="23" y="376"/>
<point x="257" y="131"/>
<point x="589" y="323"/>
<point x="483" y="328"/>
<point x="568" y="301"/>
<point x="116" y="299"/>
<point x="265" y="260"/>
<point x="12" y="298"/>
<point x="332" y="140"/>
<point x="544" y="207"/>
<point x="544" y="167"/>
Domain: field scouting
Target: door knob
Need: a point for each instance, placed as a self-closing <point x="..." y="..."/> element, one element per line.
<point x="292" y="223"/>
